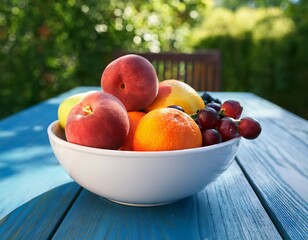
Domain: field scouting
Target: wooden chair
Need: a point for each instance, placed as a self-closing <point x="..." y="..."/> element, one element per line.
<point x="201" y="70"/>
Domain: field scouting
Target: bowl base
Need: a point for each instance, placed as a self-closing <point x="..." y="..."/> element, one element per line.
<point x="140" y="204"/>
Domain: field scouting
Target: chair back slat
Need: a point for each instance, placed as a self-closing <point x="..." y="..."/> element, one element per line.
<point x="201" y="70"/>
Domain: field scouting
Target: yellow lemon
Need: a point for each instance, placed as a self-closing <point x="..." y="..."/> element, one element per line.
<point x="175" y="92"/>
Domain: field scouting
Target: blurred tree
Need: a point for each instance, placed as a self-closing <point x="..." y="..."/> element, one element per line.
<point x="47" y="47"/>
<point x="235" y="4"/>
<point x="264" y="51"/>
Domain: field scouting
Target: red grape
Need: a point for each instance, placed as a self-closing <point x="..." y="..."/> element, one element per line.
<point x="249" y="128"/>
<point x="231" y="108"/>
<point x="227" y="128"/>
<point x="221" y="122"/>
<point x="214" y="105"/>
<point x="208" y="118"/>
<point x="200" y="127"/>
<point x="210" y="137"/>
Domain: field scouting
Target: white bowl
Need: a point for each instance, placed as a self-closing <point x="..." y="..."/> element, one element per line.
<point x="142" y="178"/>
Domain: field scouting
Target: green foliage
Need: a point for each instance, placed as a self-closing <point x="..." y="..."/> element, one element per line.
<point x="47" y="47"/>
<point x="263" y="52"/>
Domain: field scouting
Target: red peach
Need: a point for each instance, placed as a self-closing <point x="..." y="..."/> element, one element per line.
<point x="133" y="80"/>
<point x="100" y="120"/>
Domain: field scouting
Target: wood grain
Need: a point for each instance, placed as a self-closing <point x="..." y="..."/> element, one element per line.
<point x="28" y="166"/>
<point x="227" y="209"/>
<point x="40" y="217"/>
<point x="276" y="164"/>
<point x="266" y="184"/>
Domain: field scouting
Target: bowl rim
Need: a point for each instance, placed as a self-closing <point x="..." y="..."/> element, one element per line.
<point x="92" y="150"/>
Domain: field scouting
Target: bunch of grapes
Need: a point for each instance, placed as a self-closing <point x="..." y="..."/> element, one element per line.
<point x="220" y="122"/>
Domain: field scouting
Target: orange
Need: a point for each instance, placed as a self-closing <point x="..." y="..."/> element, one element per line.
<point x="175" y="92"/>
<point x="166" y="129"/>
<point x="134" y="118"/>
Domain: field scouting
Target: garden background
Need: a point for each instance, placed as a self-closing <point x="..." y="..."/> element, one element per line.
<point x="48" y="47"/>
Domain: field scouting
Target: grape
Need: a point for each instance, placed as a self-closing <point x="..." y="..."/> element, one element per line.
<point x="176" y="107"/>
<point x="210" y="137"/>
<point x="220" y="122"/>
<point x="214" y="105"/>
<point x="231" y="108"/>
<point x="227" y="128"/>
<point x="249" y="128"/>
<point x="200" y="127"/>
<point x="207" y="98"/>
<point x="216" y="100"/>
<point x="208" y="118"/>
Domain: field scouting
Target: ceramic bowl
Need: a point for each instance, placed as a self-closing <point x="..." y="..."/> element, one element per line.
<point x="142" y="178"/>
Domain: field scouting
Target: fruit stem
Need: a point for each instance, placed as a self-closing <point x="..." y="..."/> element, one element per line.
<point x="222" y="113"/>
<point x="194" y="116"/>
<point x="87" y="109"/>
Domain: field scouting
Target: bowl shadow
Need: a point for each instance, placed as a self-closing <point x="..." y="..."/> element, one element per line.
<point x="109" y="220"/>
<point x="68" y="211"/>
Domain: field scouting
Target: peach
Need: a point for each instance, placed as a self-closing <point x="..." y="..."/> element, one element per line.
<point x="132" y="79"/>
<point x="99" y="120"/>
<point x="67" y="104"/>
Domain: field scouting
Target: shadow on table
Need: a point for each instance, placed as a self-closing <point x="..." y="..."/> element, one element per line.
<point x="100" y="218"/>
<point x="39" y="217"/>
<point x="67" y="213"/>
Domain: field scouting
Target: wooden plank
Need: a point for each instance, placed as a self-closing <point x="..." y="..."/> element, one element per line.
<point x="276" y="164"/>
<point x="28" y="166"/>
<point x="227" y="209"/>
<point x="39" y="218"/>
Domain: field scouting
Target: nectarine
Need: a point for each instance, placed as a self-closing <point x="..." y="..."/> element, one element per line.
<point x="99" y="120"/>
<point x="67" y="104"/>
<point x="132" y="79"/>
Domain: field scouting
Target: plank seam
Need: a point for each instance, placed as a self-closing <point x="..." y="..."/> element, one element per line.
<point x="61" y="219"/>
<point x="265" y="206"/>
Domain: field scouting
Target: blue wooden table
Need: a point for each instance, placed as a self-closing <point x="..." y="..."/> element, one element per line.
<point x="263" y="195"/>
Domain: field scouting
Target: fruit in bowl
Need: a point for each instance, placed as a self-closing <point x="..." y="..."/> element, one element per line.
<point x="178" y="93"/>
<point x="132" y="79"/>
<point x="134" y="119"/>
<point x="166" y="129"/>
<point x="144" y="178"/>
<point x="67" y="104"/>
<point x="98" y="120"/>
<point x="140" y="143"/>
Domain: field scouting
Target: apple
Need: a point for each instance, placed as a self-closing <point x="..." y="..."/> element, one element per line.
<point x="66" y="106"/>
<point x="132" y="79"/>
<point x="99" y="120"/>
